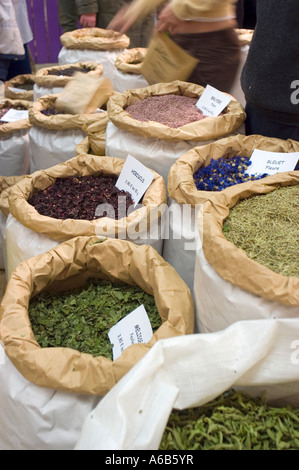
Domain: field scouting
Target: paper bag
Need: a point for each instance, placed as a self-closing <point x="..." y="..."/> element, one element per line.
<point x="165" y="61"/>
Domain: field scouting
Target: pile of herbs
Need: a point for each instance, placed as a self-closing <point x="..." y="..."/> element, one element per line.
<point x="81" y="318"/>
<point x="68" y="72"/>
<point x="224" y="172"/>
<point x="233" y="421"/>
<point x="77" y="197"/>
<point x="266" y="227"/>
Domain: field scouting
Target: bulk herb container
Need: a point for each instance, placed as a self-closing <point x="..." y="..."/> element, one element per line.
<point x="202" y="174"/>
<point x="95" y="141"/>
<point x="259" y="358"/>
<point x="20" y="87"/>
<point x="14" y="138"/>
<point x="156" y="144"/>
<point x="245" y="37"/>
<point x="49" y="372"/>
<point x="5" y="184"/>
<point x="94" y="45"/>
<point x="30" y="233"/>
<point x="127" y="71"/>
<point x="259" y="278"/>
<point x="52" y="80"/>
<point x="54" y="134"/>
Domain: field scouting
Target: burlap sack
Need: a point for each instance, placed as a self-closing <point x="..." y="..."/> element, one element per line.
<point x="67" y="266"/>
<point x="20" y="87"/>
<point x="53" y="138"/>
<point x="5" y="184"/>
<point x="228" y="285"/>
<point x="95" y="39"/>
<point x="157" y="145"/>
<point x="95" y="141"/>
<point x="245" y="36"/>
<point x="25" y="223"/>
<point x="44" y="77"/>
<point x="179" y="246"/>
<point x="7" y="128"/>
<point x="130" y="61"/>
<point x="204" y="130"/>
<point x="14" y="141"/>
<point x="127" y="71"/>
<point x="181" y="186"/>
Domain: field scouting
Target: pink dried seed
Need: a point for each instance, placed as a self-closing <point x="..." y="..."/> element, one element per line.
<point x="170" y="110"/>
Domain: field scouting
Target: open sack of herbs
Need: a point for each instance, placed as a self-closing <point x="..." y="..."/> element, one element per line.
<point x="52" y="80"/>
<point x="165" y="117"/>
<point x="20" y="87"/>
<point x="14" y="137"/>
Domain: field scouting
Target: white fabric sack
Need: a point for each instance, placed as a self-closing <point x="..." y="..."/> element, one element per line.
<point x="36" y="418"/>
<point x="219" y="303"/>
<point x="255" y="356"/>
<point x="23" y="243"/>
<point x="2" y="241"/>
<point x="15" y="153"/>
<point x="157" y="154"/>
<point x="179" y="247"/>
<point x="39" y="91"/>
<point x="106" y="58"/>
<point x="48" y="147"/>
<point x="122" y="81"/>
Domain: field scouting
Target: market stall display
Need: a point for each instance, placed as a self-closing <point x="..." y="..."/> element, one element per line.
<point x="14" y="137"/>
<point x="52" y="80"/>
<point x="28" y="233"/>
<point x="158" y="143"/>
<point x="201" y="174"/>
<point x="94" y="45"/>
<point x="54" y="134"/>
<point x="231" y="284"/>
<point x="257" y="358"/>
<point x="127" y="72"/>
<point x="58" y="377"/>
<point x="20" y="87"/>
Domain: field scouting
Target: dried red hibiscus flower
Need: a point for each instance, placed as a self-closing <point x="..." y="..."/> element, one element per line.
<point x="78" y="197"/>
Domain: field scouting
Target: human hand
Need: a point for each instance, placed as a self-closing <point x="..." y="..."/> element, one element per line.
<point x="167" y="21"/>
<point x="88" y="20"/>
<point x="121" y="22"/>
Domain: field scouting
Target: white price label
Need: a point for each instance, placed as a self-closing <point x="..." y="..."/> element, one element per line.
<point x="212" y="101"/>
<point x="134" y="178"/>
<point x="271" y="163"/>
<point x="15" y="115"/>
<point x="134" y="328"/>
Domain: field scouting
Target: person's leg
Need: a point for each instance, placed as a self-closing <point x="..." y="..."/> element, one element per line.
<point x="20" y="67"/>
<point x="4" y="66"/>
<point x="68" y="15"/>
<point x="257" y="123"/>
<point x="218" y="54"/>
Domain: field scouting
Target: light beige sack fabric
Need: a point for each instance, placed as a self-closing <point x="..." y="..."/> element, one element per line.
<point x="44" y="77"/>
<point x="181" y="186"/>
<point x="203" y="130"/>
<point x="131" y="61"/>
<point x="165" y="61"/>
<point x="82" y="165"/>
<point x="95" y="141"/>
<point x="7" y="128"/>
<point x="20" y="87"/>
<point x="232" y="263"/>
<point x="245" y="36"/>
<point x="59" y="121"/>
<point x="95" y="39"/>
<point x="68" y="266"/>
